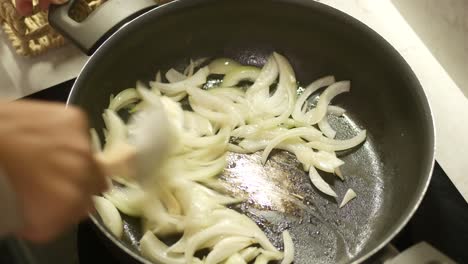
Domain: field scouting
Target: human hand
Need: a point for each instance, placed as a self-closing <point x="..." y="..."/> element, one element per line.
<point x="25" y="7"/>
<point x="46" y="153"/>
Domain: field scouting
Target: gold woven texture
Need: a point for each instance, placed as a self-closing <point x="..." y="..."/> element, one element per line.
<point x="32" y="35"/>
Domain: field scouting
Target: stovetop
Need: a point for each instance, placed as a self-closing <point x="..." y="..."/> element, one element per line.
<point x="441" y="220"/>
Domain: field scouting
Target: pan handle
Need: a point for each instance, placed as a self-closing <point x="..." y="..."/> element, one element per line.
<point x="104" y="21"/>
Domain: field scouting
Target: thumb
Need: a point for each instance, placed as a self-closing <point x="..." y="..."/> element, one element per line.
<point x="24" y="7"/>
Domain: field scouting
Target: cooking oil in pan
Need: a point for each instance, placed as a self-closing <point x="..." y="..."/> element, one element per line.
<point x="280" y="196"/>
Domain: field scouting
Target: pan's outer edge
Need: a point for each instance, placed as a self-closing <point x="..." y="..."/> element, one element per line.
<point x="178" y="4"/>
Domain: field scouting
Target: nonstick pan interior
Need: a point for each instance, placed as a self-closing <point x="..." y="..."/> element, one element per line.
<point x="389" y="172"/>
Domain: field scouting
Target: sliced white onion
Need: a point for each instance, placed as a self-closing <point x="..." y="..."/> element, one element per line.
<point x="194" y="141"/>
<point x="287" y="81"/>
<point x="309" y="90"/>
<point x="197" y="125"/>
<point x="141" y="85"/>
<point x="349" y="195"/>
<point x="178" y="97"/>
<point x="318" y="182"/>
<point x="261" y="87"/>
<point x="174" y="112"/>
<point x="335" y="110"/>
<point x="109" y="215"/>
<point x="249" y="253"/>
<point x="238" y="74"/>
<point x="188" y="71"/>
<point x="124" y="99"/>
<point x="288" y="248"/>
<point x="155" y="250"/>
<point x="266" y="256"/>
<point x="158" y="78"/>
<point x="215" y="103"/>
<point x="198" y="79"/>
<point x="235" y="259"/>
<point x="339" y="173"/>
<point x="222" y="65"/>
<point x="283" y="100"/>
<point x="215" y="196"/>
<point x="207" y="172"/>
<point x="204" y="155"/>
<point x="247" y="224"/>
<point x="228" y="91"/>
<point x="149" y="97"/>
<point x="170" y="201"/>
<point x="223" y="229"/>
<point x="226" y="247"/>
<point x="155" y="212"/>
<point x="238" y="149"/>
<point x="198" y="62"/>
<point x="326" y="161"/>
<point x="295" y="132"/>
<point x="211" y="115"/>
<point x="326" y="129"/>
<point x="128" y="200"/>
<point x="172" y="75"/>
<point x="327" y="144"/>
<point x="317" y="113"/>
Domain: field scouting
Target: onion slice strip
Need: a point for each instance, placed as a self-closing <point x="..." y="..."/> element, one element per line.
<point x="155" y="250"/>
<point x="309" y="90"/>
<point x="349" y="195"/>
<point x="109" y="215"/>
<point x="288" y="248"/>
<point x="295" y="132"/>
<point x="235" y="259"/>
<point x="173" y="76"/>
<point x="328" y="144"/>
<point x="128" y="200"/>
<point x="223" y="65"/>
<point x="198" y="79"/>
<point x="124" y="99"/>
<point x="227" y="247"/>
<point x="317" y="113"/>
<point x="238" y="74"/>
<point x="318" y="182"/>
<point x="249" y="253"/>
<point x="335" y="110"/>
<point x="326" y="129"/>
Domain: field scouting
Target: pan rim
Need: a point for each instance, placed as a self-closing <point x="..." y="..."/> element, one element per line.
<point x="335" y="14"/>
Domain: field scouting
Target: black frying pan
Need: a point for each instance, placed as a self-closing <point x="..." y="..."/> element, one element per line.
<point x="390" y="172"/>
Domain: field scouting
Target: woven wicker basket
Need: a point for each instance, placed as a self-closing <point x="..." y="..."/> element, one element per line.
<point x="32" y="35"/>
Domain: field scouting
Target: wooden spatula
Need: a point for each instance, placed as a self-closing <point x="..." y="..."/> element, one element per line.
<point x="147" y="147"/>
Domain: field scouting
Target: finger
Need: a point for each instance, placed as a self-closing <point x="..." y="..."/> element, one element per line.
<point x="44" y="4"/>
<point x="24" y="7"/>
<point x="37" y="235"/>
<point x="101" y="181"/>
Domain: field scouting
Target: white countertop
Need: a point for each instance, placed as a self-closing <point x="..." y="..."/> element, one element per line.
<point x="21" y="76"/>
